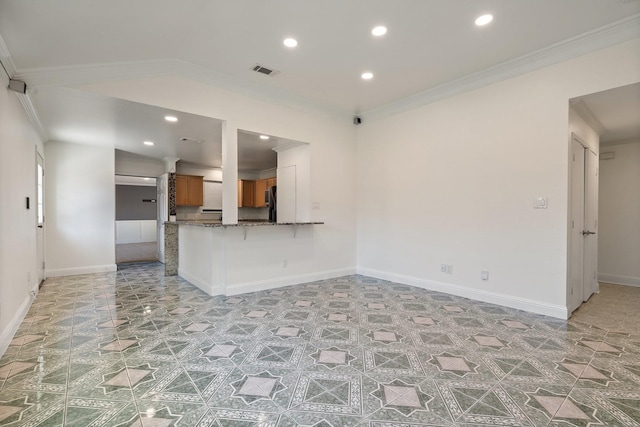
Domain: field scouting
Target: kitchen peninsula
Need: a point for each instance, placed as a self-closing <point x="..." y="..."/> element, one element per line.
<point x="229" y="259"/>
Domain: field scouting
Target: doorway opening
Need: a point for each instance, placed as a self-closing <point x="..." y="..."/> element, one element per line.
<point x="40" y="217"/>
<point x="605" y="130"/>
<point x="136" y="219"/>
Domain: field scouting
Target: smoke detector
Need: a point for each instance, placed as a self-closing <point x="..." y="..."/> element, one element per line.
<point x="186" y="139"/>
<point x="264" y="70"/>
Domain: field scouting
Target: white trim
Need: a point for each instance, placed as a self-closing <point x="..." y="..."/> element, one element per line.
<point x="619" y="280"/>
<point x="600" y="38"/>
<point x="202" y="284"/>
<point x="261" y="285"/>
<point x="81" y="270"/>
<point x="5" y="56"/>
<point x="14" y="324"/>
<point x="526" y="304"/>
<point x="30" y="109"/>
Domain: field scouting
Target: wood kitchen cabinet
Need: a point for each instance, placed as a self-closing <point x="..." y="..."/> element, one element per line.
<point x="261" y="187"/>
<point x="251" y="193"/>
<point x="189" y="190"/>
<point x="246" y="193"/>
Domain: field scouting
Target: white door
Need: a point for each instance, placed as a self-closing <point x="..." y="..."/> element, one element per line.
<point x="590" y="226"/>
<point x="163" y="211"/>
<point x="39" y="217"/>
<point x="576" y="240"/>
<point x="583" y="244"/>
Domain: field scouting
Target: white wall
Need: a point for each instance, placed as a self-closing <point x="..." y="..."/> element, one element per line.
<point x="136" y="231"/>
<point x="133" y="165"/>
<point x="18" y="143"/>
<point x="332" y="145"/>
<point x="619" y="215"/>
<point x="294" y="191"/>
<point x="454" y="182"/>
<point x="80" y="210"/>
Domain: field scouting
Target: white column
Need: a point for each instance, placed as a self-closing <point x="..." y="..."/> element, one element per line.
<point x="229" y="173"/>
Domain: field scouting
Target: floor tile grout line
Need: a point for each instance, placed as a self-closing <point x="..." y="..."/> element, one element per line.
<point x="122" y="356"/>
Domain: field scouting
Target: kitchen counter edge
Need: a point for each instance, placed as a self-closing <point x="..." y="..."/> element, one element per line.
<point x="240" y="224"/>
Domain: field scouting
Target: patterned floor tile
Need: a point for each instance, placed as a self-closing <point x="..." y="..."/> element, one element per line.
<point x="135" y="348"/>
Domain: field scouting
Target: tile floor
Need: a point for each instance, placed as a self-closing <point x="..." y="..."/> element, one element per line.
<point x="134" y="348"/>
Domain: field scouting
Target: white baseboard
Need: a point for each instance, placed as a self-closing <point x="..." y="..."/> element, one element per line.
<point x="526" y="304"/>
<point x="619" y="280"/>
<point x="261" y="285"/>
<point x="81" y="270"/>
<point x="207" y="288"/>
<point x="7" y="335"/>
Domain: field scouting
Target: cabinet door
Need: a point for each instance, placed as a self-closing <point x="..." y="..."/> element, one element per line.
<point x="271" y="182"/>
<point x="261" y="187"/>
<point x="246" y="193"/>
<point x="195" y="188"/>
<point x="182" y="193"/>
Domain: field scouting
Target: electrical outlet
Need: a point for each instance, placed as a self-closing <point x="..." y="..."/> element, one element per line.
<point x="285" y="263"/>
<point x="484" y="275"/>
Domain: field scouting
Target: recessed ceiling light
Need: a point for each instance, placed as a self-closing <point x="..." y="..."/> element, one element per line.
<point x="367" y="76"/>
<point x="289" y="42"/>
<point x="264" y="137"/>
<point x="380" y="30"/>
<point x="171" y="118"/>
<point x="148" y="143"/>
<point x="484" y="20"/>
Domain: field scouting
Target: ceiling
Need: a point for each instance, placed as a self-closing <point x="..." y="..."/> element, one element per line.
<point x="430" y="44"/>
<point x="617" y="112"/>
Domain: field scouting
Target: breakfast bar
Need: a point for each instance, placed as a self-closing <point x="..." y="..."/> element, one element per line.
<point x="228" y="259"/>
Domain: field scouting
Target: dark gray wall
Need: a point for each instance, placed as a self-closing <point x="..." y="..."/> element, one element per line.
<point x="129" y="204"/>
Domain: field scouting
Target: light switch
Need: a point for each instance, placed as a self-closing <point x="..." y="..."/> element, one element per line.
<point x="540" y="203"/>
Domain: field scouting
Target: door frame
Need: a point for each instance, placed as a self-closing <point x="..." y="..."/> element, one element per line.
<point x="40" y="234"/>
<point x="575" y="299"/>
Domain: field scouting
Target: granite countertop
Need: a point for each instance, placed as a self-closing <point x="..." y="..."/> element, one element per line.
<point x="241" y="223"/>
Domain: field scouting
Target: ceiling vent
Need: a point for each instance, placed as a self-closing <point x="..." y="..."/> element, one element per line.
<point x="264" y="70"/>
<point x="185" y="139"/>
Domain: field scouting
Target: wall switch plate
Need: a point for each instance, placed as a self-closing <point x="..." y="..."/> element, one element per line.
<point x="484" y="275"/>
<point x="540" y="202"/>
<point x="446" y="268"/>
<point x="285" y="263"/>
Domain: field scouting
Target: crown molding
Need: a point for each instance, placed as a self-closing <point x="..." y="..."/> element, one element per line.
<point x="29" y="108"/>
<point x="5" y="57"/>
<point x="618" y="32"/>
<point x="609" y="35"/>
<point x="587" y="115"/>
<point x="25" y="99"/>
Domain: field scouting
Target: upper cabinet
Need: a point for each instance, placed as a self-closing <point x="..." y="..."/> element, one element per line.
<point x="252" y="193"/>
<point x="246" y="193"/>
<point x="189" y="190"/>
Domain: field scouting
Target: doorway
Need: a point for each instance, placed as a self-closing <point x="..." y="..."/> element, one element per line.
<point x="40" y="218"/>
<point x="583" y="244"/>
<point x="136" y="219"/>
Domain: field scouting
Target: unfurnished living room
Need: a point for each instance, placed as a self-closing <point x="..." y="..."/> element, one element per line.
<point x="320" y="213"/>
